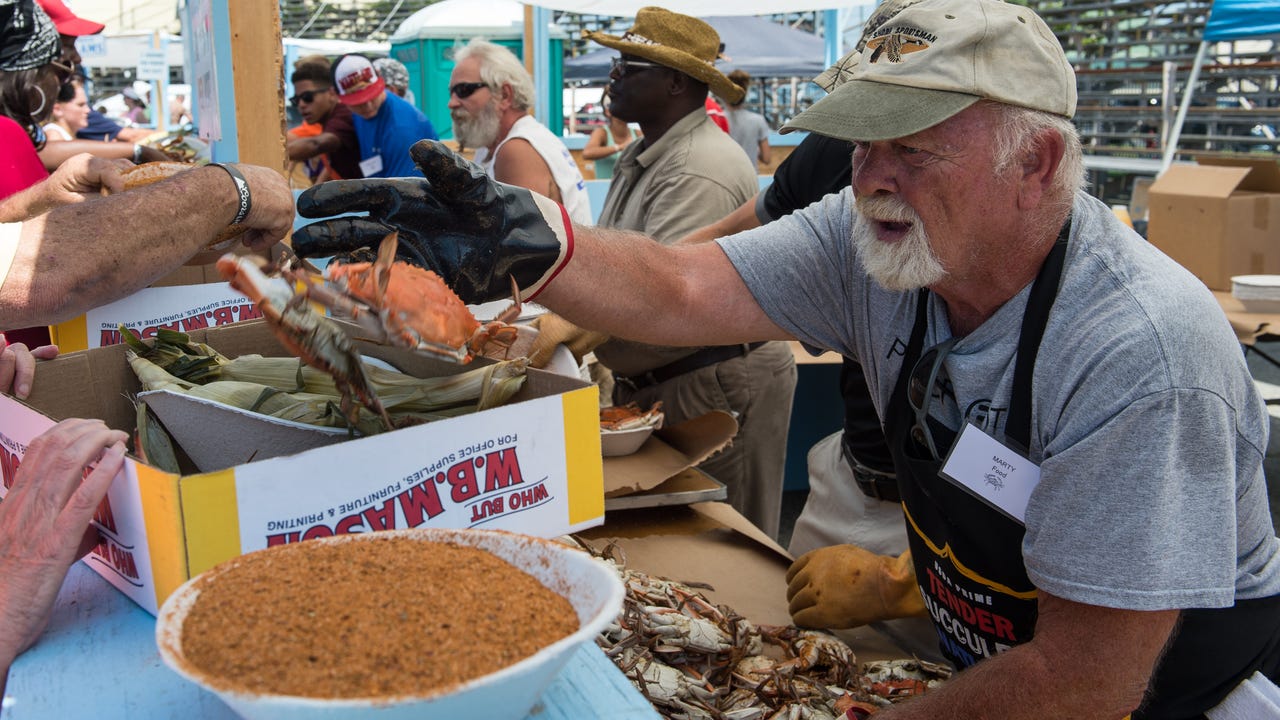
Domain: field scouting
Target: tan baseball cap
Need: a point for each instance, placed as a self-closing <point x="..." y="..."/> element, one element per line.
<point x="933" y="58"/>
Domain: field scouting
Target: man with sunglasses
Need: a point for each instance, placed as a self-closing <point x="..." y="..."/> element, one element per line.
<point x="682" y="174"/>
<point x="1077" y="439"/>
<point x="318" y="104"/>
<point x="386" y="125"/>
<point x="490" y="95"/>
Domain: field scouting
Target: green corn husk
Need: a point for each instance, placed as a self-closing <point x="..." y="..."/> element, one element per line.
<point x="289" y="389"/>
<point x="154" y="445"/>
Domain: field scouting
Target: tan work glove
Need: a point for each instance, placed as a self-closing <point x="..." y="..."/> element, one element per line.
<point x="554" y="330"/>
<point x="845" y="586"/>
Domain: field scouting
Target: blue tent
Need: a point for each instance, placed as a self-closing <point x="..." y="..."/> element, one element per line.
<point x="1228" y="20"/>
<point x="759" y="46"/>
<point x="1235" y="19"/>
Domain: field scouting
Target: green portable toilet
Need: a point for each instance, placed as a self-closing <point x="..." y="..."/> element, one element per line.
<point x="425" y="43"/>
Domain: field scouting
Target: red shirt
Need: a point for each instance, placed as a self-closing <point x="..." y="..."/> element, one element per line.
<point x="20" y="166"/>
<point x="716" y="113"/>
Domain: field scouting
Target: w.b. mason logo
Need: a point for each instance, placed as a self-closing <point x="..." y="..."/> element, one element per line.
<point x="896" y="43"/>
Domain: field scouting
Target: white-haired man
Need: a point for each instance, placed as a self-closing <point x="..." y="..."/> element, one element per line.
<point x="490" y="96"/>
<point x="1077" y="441"/>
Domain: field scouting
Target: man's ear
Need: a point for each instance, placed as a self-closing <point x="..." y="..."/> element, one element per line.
<point x="1040" y="165"/>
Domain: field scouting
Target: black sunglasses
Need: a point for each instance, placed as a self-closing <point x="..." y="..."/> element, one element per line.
<point x="924" y="376"/>
<point x="466" y="90"/>
<point x="307" y="97"/>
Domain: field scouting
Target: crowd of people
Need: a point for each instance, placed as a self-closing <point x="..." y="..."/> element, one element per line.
<point x="1002" y="331"/>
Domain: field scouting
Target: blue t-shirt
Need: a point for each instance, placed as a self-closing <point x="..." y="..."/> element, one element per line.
<point x="390" y="134"/>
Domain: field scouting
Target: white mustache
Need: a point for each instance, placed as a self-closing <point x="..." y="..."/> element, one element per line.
<point x="886" y="208"/>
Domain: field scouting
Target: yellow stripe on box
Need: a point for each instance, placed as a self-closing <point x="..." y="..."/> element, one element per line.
<point x="162" y="516"/>
<point x="582" y="460"/>
<point x="71" y="335"/>
<point x="211" y="518"/>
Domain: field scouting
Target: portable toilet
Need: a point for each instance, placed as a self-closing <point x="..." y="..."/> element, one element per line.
<point x="426" y="40"/>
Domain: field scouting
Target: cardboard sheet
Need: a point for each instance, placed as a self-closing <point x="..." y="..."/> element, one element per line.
<point x="667" y="452"/>
<point x="711" y="544"/>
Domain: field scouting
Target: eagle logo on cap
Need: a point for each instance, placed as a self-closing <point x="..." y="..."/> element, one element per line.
<point x="895" y="45"/>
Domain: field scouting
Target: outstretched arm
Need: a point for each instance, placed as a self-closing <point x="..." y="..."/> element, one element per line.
<point x="78" y="257"/>
<point x="479" y="234"/>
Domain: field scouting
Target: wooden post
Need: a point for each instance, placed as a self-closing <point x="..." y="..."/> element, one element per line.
<point x="257" y="62"/>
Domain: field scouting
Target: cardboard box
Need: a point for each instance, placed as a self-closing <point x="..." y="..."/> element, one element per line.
<point x="1218" y="218"/>
<point x="531" y="466"/>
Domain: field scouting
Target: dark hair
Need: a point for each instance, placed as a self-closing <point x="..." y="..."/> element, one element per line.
<point x="67" y="92"/>
<point x="314" y="68"/>
<point x="16" y="92"/>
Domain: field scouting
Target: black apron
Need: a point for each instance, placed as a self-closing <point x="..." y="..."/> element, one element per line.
<point x="968" y="556"/>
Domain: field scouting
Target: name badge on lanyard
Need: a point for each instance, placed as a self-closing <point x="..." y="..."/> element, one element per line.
<point x="995" y="473"/>
<point x="371" y="166"/>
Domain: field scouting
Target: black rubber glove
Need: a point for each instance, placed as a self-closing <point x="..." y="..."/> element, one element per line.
<point x="475" y="232"/>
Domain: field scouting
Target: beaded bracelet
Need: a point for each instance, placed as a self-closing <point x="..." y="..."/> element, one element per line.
<point x="242" y="190"/>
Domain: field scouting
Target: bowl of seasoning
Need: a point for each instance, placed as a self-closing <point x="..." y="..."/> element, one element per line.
<point x="425" y="623"/>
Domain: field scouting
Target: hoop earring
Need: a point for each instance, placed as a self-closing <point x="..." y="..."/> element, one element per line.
<point x="43" y="100"/>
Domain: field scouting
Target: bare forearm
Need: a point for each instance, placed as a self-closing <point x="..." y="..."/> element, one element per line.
<point x="630" y="286"/>
<point x="309" y="147"/>
<point x="79" y="257"/>
<point x="55" y="153"/>
<point x="1084" y="661"/>
<point x="30" y="202"/>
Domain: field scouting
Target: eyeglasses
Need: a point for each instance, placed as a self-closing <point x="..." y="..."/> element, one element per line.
<point x="466" y="90"/>
<point x="920" y="385"/>
<point x="620" y="65"/>
<point x="307" y="97"/>
<point x="63" y="69"/>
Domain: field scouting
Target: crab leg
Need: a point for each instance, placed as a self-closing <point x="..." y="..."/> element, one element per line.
<point x="309" y="336"/>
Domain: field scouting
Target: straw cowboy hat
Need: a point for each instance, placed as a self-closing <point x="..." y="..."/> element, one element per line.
<point x="677" y="41"/>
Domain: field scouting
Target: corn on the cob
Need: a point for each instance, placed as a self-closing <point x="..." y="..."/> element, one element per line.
<point x="287" y="388"/>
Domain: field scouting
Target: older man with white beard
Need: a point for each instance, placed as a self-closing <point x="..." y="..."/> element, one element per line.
<point x="1077" y="440"/>
<point x="490" y="96"/>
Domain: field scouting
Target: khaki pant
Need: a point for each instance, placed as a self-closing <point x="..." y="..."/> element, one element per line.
<point x="757" y="389"/>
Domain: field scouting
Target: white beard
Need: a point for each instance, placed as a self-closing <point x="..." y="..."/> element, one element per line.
<point x="476" y="131"/>
<point x="908" y="264"/>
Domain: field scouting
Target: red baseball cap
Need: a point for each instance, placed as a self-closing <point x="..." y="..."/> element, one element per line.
<point x="67" y="22"/>
<point x="356" y="81"/>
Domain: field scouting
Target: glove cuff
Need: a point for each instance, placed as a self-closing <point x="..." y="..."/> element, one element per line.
<point x="557" y="218"/>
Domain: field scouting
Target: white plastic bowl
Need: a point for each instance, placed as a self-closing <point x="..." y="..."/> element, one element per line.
<point x="614" y="443"/>
<point x="593" y="589"/>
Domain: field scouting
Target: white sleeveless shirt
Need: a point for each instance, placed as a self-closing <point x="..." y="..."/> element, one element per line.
<point x="573" y="189"/>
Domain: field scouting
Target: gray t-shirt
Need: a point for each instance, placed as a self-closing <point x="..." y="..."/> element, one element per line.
<point x="748" y="129"/>
<point x="1145" y="422"/>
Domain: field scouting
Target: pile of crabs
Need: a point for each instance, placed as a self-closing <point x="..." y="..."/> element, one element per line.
<point x="390" y="301"/>
<point x="695" y="660"/>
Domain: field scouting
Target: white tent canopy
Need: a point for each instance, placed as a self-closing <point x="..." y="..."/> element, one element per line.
<point x="697" y="8"/>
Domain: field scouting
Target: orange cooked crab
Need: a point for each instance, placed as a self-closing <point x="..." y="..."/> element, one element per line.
<point x="406" y="306"/>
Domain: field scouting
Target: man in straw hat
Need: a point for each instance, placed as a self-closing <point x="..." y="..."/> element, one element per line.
<point x="682" y="174"/>
<point x="1077" y="440"/>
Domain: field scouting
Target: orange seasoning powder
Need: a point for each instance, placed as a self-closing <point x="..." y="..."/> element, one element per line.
<point x="372" y="618"/>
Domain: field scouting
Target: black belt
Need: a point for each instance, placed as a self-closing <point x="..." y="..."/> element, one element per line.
<point x="873" y="483"/>
<point x="687" y="364"/>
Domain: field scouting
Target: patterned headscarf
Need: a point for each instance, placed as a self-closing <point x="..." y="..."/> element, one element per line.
<point x="28" y="38"/>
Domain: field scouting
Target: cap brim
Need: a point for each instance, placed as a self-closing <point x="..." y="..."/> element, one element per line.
<point x="862" y="110"/>
<point x="360" y="97"/>
<point x="76" y="27"/>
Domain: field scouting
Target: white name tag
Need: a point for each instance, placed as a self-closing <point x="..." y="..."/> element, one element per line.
<point x="993" y="472"/>
<point x="371" y="166"/>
